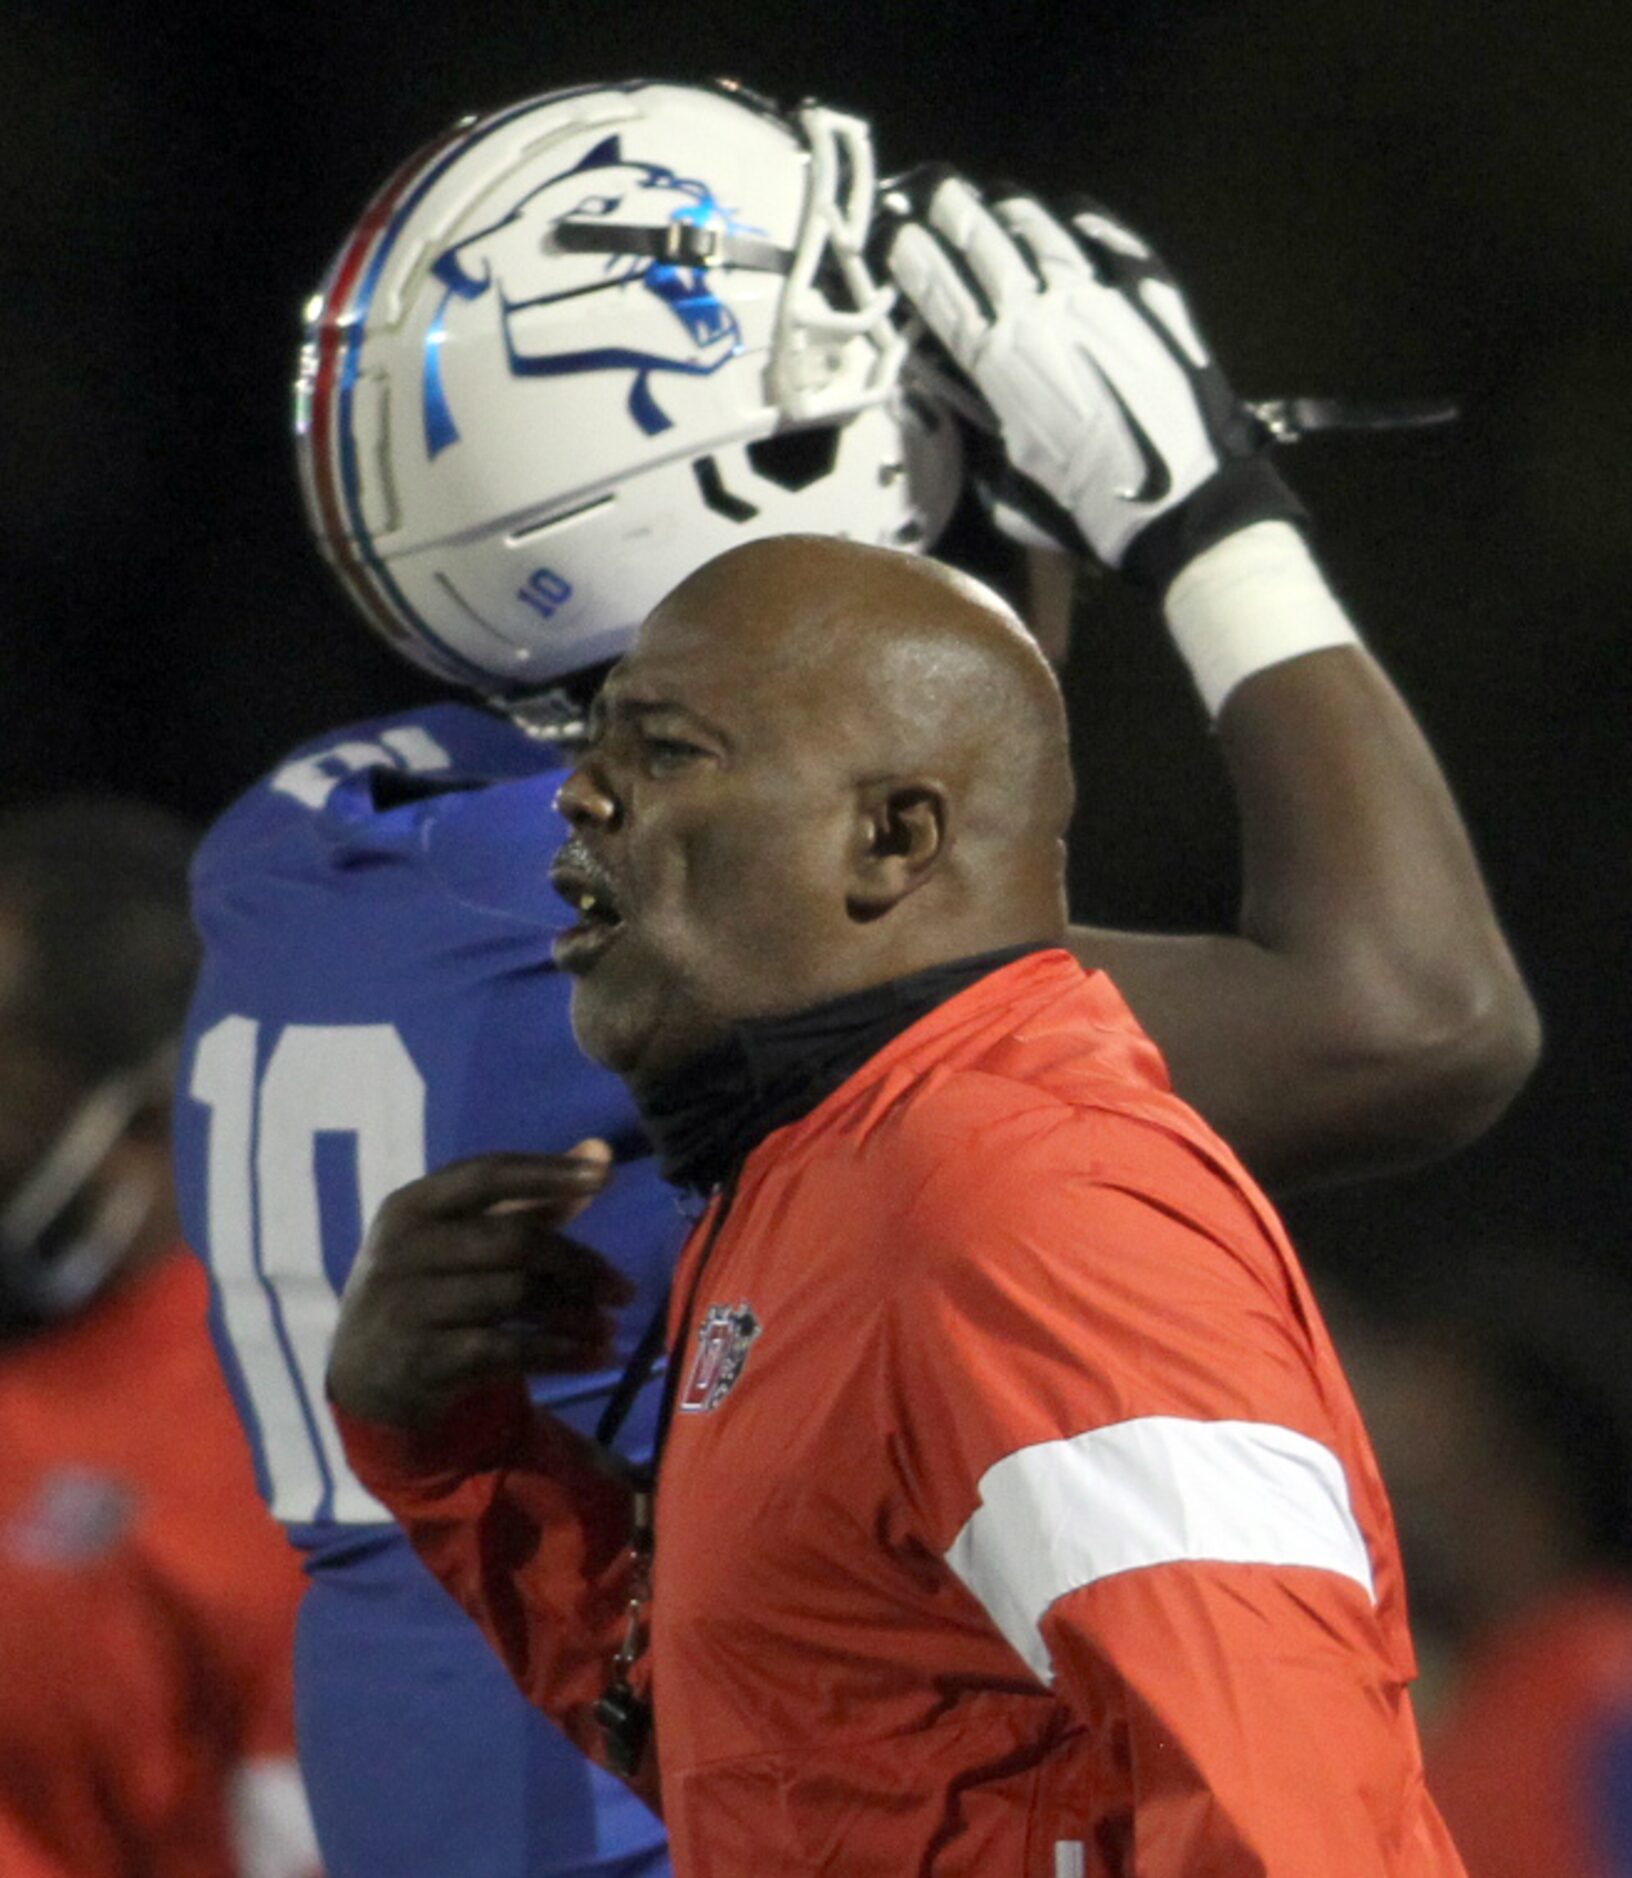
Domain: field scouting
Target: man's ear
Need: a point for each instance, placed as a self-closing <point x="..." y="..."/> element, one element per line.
<point x="903" y="832"/>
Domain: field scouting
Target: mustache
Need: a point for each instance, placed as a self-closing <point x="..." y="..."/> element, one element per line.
<point x="574" y="859"/>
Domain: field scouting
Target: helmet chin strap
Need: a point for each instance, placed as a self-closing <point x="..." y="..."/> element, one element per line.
<point x="556" y="713"/>
<point x="553" y="715"/>
<point x="1285" y="420"/>
<point x="1288" y="419"/>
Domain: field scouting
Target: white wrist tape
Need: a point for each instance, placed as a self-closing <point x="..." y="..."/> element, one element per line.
<point x="1252" y="600"/>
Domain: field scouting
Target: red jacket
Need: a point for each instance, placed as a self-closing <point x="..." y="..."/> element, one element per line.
<point x="147" y="1605"/>
<point x="1016" y="1518"/>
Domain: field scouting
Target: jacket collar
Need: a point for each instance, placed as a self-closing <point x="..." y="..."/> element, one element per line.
<point x="715" y="1109"/>
<point x="1045" y="1020"/>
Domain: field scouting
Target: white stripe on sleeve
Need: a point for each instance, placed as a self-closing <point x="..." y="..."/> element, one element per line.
<point x="1157" y="1491"/>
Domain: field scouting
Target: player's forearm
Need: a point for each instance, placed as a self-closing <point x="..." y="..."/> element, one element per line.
<point x="1368" y="1013"/>
<point x="1361" y="887"/>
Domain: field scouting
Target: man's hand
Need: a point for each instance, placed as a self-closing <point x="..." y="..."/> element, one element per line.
<point x="1113" y="413"/>
<point x="465" y="1276"/>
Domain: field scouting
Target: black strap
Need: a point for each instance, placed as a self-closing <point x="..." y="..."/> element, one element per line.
<point x="680" y="244"/>
<point x="1287" y="419"/>
<point x="637" y="1372"/>
<point x="1242" y="490"/>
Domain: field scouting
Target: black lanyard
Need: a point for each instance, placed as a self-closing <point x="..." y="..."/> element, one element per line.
<point x="625" y="1717"/>
<point x="638" y="1370"/>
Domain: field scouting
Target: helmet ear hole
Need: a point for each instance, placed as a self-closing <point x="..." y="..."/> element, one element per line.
<point x="794" y="459"/>
<point x="711" y="486"/>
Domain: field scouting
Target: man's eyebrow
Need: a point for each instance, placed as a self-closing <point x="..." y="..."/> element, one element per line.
<point x="634" y="708"/>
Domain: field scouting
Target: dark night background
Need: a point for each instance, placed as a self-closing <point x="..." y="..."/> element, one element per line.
<point x="1400" y="201"/>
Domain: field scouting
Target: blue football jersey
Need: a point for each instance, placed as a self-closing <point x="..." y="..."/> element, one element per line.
<point x="377" y="999"/>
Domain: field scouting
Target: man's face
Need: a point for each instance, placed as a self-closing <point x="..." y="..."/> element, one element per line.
<point x="712" y="817"/>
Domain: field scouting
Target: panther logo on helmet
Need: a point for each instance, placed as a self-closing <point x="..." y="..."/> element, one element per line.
<point x="505" y="260"/>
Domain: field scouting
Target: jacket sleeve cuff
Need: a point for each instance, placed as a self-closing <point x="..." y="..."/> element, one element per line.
<point x="478" y="1433"/>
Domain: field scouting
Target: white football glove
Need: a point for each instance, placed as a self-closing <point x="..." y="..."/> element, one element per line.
<point x="1112" y="413"/>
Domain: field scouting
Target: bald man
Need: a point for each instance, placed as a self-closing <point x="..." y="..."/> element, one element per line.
<point x="1014" y="1516"/>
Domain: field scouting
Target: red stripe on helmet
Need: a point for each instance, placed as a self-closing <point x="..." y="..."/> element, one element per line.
<point x="332" y="338"/>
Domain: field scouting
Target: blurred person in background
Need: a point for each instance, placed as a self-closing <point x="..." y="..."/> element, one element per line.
<point x="1502" y="1418"/>
<point x="146" y="1602"/>
<point x="571" y="351"/>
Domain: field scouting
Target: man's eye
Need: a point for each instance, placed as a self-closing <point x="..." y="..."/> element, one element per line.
<point x="669" y="753"/>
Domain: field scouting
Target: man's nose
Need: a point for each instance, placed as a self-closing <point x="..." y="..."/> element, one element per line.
<point x="585" y="801"/>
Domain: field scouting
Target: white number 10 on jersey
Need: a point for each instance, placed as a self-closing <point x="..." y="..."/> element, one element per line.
<point x="265" y="1228"/>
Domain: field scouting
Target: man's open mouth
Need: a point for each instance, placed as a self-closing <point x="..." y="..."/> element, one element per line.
<point x="587" y="888"/>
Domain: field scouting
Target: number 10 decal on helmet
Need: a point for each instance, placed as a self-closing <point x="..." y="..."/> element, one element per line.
<point x="578" y="347"/>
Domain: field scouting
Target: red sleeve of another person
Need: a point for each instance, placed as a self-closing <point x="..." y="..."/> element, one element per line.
<point x="147" y="1601"/>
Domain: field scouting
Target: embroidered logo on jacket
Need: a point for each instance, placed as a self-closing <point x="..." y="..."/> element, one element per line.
<point x="724" y="1339"/>
<point x="75" y="1517"/>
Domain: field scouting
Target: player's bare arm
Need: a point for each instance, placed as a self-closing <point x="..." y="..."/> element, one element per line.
<point x="1367" y="1013"/>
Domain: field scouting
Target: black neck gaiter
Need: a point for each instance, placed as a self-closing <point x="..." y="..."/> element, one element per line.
<point x="708" y="1115"/>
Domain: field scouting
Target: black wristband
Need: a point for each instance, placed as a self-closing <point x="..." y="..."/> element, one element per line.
<point x="1243" y="491"/>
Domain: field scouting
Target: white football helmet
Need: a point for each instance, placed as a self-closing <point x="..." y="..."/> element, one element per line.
<point x="580" y="346"/>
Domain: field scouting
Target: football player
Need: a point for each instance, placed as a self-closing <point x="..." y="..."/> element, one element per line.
<point x="569" y="353"/>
